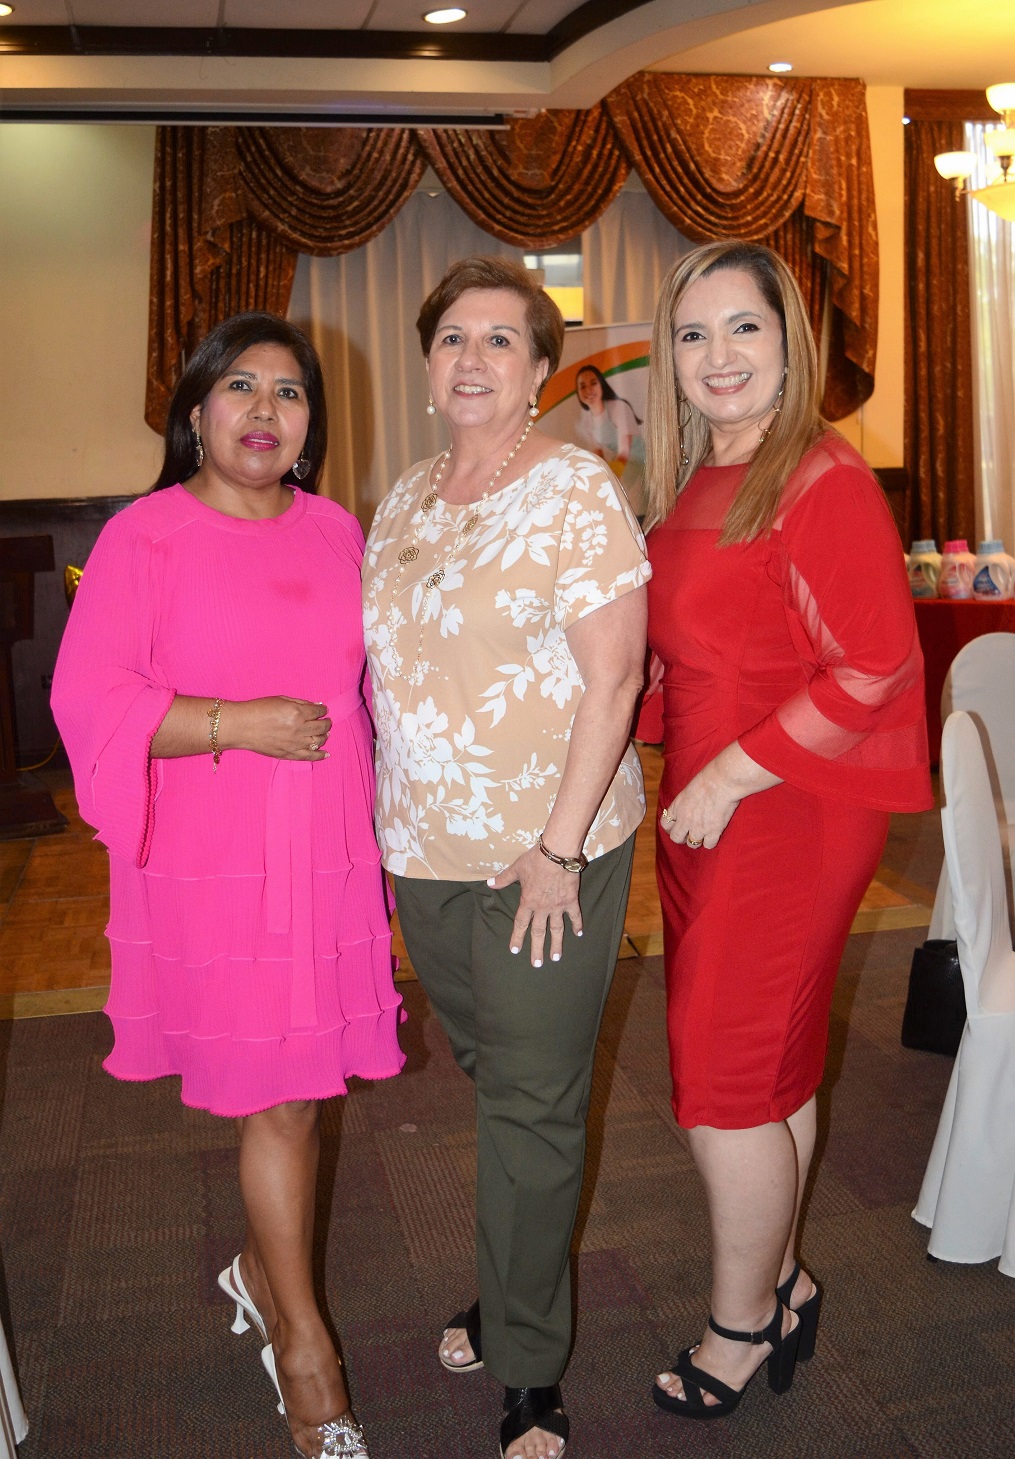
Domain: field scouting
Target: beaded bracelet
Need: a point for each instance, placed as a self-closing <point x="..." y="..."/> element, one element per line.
<point x="214" y="714"/>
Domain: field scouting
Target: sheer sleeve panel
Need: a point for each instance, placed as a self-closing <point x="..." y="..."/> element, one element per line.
<point x="107" y="700"/>
<point x="858" y="728"/>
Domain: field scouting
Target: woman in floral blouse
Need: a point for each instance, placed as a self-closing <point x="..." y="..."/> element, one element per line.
<point x="504" y="606"/>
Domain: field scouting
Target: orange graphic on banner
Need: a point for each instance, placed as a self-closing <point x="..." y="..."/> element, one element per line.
<point x="562" y="384"/>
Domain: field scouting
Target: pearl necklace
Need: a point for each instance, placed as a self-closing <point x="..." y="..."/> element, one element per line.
<point x="409" y="554"/>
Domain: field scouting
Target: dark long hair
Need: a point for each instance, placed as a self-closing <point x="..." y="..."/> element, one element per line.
<point x="210" y="361"/>
<point x="608" y="391"/>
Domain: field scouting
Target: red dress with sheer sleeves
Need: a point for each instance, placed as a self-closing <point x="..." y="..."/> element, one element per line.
<point x="802" y="645"/>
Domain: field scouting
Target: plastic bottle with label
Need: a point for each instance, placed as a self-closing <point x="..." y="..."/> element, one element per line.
<point x="993" y="573"/>
<point x="923" y="566"/>
<point x="957" y="563"/>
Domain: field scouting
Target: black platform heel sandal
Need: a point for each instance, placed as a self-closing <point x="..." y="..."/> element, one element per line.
<point x="697" y="1381"/>
<point x="808" y="1313"/>
<point x="533" y="1408"/>
<point x="470" y="1321"/>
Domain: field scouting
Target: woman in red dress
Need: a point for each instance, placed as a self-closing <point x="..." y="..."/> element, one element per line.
<point x="793" y="724"/>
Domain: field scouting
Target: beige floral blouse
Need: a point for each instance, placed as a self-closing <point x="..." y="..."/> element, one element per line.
<point x="474" y="687"/>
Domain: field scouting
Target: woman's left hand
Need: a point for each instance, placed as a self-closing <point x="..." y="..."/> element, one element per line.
<point x="548" y="892"/>
<point x="702" y="810"/>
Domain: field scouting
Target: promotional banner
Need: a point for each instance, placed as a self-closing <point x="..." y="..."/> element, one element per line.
<point x="597" y="398"/>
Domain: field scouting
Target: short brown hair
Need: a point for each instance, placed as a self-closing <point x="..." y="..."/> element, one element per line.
<point x="543" y="319"/>
<point x="677" y="446"/>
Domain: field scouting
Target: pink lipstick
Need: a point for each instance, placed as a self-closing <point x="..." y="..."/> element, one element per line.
<point x="259" y="441"/>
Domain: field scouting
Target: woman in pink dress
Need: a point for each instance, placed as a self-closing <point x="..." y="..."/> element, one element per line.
<point x="209" y="691"/>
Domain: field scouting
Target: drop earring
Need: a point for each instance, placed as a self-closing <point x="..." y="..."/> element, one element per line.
<point x="301" y="468"/>
<point x="431" y="409"/>
<point x="777" y="408"/>
<point x="533" y="408"/>
<point x="682" y="425"/>
<point x="199" y="447"/>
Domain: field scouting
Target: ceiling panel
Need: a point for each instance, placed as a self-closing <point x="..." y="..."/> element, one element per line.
<point x="298" y="14"/>
<point x="483" y="15"/>
<point x="130" y="12"/>
<point x="536" y="17"/>
<point x="37" y="12"/>
<point x="517" y="17"/>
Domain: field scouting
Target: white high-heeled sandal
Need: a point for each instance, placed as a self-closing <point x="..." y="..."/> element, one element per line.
<point x="232" y="1283"/>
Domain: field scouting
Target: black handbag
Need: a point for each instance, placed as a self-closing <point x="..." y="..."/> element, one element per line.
<point x="936" y="1003"/>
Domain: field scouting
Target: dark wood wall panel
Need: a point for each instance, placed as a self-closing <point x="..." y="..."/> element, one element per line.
<point x="74" y="524"/>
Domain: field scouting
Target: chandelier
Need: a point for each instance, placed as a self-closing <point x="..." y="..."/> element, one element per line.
<point x="999" y="194"/>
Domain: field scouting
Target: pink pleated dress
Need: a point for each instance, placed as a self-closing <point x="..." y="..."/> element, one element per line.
<point x="251" y="952"/>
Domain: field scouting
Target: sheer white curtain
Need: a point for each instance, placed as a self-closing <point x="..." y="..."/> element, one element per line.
<point x="626" y="256"/>
<point x="360" y="311"/>
<point x="992" y="287"/>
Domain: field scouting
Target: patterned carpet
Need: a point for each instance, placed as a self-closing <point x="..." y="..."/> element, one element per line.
<point x="118" y="1207"/>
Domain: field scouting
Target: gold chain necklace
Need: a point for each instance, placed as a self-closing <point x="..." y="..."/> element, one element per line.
<point x="409" y="554"/>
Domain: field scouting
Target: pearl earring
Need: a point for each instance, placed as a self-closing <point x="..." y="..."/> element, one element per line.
<point x="533" y="408"/>
<point x="431" y="409"/>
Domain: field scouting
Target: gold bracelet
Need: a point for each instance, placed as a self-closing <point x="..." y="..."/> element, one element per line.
<point x="215" y="714"/>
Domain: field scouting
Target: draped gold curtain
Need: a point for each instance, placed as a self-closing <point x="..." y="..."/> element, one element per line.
<point x="939" y="365"/>
<point x="786" y="162"/>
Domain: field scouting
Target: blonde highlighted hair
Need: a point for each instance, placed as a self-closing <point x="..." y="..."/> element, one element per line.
<point x="677" y="435"/>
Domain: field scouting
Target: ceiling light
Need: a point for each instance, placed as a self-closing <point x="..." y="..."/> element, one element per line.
<point x="780" y="66"/>
<point x="446" y="16"/>
<point x="999" y="195"/>
<point x="6" y="10"/>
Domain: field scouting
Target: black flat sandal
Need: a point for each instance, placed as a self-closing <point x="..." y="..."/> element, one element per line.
<point x="697" y="1381"/>
<point x="808" y="1313"/>
<point x="470" y="1321"/>
<point x="532" y="1408"/>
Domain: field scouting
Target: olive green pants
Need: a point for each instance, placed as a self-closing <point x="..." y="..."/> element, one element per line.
<point x="527" y="1037"/>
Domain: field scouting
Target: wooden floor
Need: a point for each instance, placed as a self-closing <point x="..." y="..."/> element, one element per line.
<point x="54" y="904"/>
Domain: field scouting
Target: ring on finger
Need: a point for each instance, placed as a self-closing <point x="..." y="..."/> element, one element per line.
<point x="692" y="843"/>
<point x="666" y="818"/>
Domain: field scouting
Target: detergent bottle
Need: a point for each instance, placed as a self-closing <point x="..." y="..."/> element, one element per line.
<point x="923" y="566"/>
<point x="993" y="573"/>
<point x="956" y="579"/>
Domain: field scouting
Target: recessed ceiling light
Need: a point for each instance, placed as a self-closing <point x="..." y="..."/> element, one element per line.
<point x="779" y="66"/>
<point x="446" y="16"/>
<point x="6" y="9"/>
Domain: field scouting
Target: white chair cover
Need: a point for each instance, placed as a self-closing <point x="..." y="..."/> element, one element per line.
<point x="13" y="1424"/>
<point x="968" y="1193"/>
<point x="981" y="680"/>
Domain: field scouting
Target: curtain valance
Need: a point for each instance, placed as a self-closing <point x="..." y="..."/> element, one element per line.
<point x="783" y="161"/>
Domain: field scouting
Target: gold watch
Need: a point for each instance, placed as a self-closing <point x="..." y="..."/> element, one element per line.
<point x="574" y="864"/>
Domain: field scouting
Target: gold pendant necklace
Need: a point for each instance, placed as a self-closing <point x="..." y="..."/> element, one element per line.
<point x="409" y="554"/>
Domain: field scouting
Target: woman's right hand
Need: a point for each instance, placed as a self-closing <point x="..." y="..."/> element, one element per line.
<point x="283" y="728"/>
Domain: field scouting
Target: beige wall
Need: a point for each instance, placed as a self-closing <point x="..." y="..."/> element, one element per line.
<point x="74" y="226"/>
<point x="876" y="429"/>
<point x="75" y="205"/>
